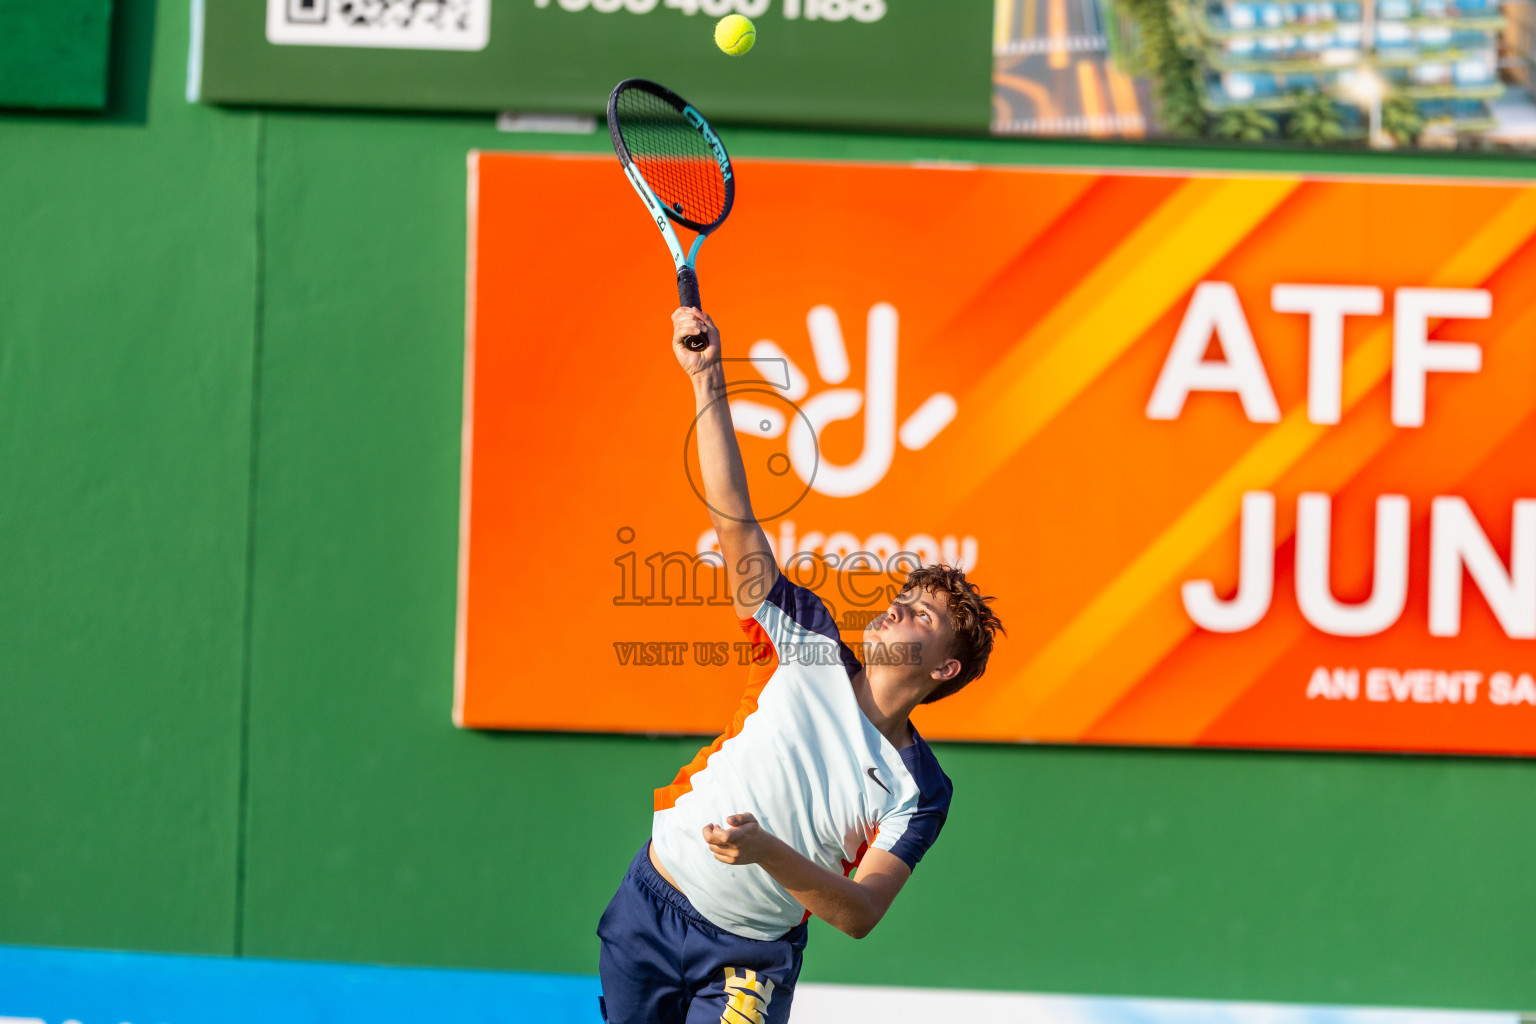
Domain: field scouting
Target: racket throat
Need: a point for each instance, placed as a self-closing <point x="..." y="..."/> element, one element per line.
<point x="693" y="252"/>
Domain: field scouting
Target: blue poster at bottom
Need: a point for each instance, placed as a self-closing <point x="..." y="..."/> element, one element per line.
<point x="60" y="986"/>
<point x="53" y="986"/>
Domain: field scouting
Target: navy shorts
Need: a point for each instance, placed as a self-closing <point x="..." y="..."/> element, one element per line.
<point x="662" y="963"/>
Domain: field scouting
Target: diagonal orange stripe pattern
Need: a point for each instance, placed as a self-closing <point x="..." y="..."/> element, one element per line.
<point x="1043" y="703"/>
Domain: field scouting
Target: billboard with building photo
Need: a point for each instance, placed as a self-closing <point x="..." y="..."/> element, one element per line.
<point x="1330" y="74"/>
<point x="1385" y="74"/>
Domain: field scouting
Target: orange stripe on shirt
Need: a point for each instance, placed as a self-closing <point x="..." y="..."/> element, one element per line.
<point x="757" y="677"/>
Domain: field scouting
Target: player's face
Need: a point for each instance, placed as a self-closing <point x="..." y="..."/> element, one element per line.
<point x="919" y="618"/>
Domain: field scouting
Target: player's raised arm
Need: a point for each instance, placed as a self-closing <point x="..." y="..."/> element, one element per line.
<point x="749" y="563"/>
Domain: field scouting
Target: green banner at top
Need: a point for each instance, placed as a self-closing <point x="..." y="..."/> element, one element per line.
<point x="906" y="64"/>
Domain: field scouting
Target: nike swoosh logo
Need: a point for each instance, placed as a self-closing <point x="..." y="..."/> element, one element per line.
<point x="876" y="779"/>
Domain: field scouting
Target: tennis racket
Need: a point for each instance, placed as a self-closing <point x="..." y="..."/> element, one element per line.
<point x="678" y="165"/>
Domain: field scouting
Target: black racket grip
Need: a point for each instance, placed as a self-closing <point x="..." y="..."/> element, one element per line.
<point x="688" y="295"/>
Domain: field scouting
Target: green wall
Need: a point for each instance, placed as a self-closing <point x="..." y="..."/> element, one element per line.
<point x="230" y="358"/>
<point x="126" y="325"/>
<point x="54" y="54"/>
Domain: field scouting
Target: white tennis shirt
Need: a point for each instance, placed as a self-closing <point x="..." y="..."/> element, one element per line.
<point x="801" y="756"/>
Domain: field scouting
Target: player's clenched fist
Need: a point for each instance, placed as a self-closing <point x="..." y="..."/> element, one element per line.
<point x="744" y="841"/>
<point x="687" y="324"/>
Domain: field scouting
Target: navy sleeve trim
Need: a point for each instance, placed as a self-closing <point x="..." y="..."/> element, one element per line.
<point x="934" y="794"/>
<point x="809" y="612"/>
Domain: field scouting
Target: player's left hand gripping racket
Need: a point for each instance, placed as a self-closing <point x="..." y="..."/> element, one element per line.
<point x="677" y="163"/>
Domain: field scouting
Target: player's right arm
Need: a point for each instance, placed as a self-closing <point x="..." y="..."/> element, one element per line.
<point x="749" y="563"/>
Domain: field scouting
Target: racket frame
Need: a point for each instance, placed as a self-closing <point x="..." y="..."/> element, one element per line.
<point x="661" y="213"/>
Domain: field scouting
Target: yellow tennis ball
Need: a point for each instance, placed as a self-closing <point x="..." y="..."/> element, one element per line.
<point x="735" y="34"/>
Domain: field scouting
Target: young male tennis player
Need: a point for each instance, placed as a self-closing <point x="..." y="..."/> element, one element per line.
<point x="820" y="772"/>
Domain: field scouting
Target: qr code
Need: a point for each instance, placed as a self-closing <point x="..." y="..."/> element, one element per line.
<point x="391" y="24"/>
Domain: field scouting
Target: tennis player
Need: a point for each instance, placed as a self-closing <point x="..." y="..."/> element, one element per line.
<point x="820" y="774"/>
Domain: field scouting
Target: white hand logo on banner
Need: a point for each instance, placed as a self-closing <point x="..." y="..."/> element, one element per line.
<point x="877" y="401"/>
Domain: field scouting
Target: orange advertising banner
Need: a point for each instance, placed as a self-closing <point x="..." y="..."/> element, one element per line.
<point x="1246" y="460"/>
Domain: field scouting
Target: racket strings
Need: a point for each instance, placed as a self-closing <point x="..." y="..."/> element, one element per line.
<point x="672" y="156"/>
